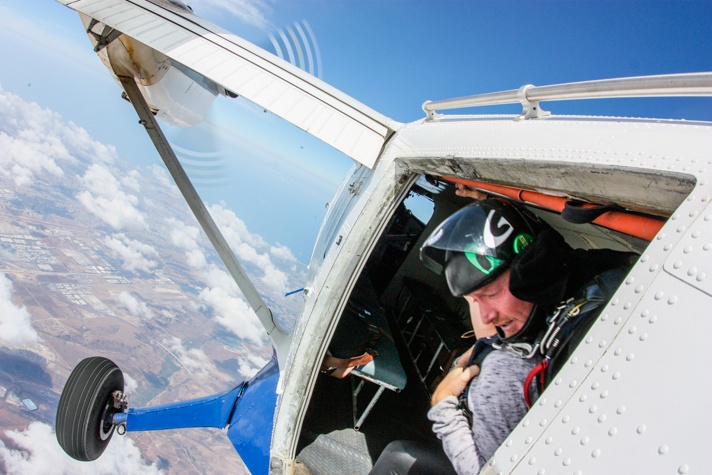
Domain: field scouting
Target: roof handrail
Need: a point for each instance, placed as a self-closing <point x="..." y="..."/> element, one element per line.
<point x="665" y="85"/>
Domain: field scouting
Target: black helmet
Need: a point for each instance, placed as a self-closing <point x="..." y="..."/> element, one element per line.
<point x="476" y="244"/>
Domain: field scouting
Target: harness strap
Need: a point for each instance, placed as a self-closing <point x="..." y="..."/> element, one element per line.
<point x="538" y="371"/>
<point x="482" y="348"/>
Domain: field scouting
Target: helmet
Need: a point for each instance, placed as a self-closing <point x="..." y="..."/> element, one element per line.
<point x="477" y="244"/>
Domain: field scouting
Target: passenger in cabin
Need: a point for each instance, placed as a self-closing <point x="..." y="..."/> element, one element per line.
<point x="541" y="295"/>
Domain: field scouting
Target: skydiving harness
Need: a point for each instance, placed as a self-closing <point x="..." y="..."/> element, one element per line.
<point x="567" y="320"/>
<point x="566" y="324"/>
<point x="483" y="346"/>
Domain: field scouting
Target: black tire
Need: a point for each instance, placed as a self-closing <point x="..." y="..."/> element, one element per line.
<point x="82" y="405"/>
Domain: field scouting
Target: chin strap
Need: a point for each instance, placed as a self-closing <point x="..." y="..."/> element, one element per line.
<point x="525" y="343"/>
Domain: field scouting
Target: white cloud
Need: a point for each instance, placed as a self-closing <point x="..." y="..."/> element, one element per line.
<point x="35" y="141"/>
<point x="130" y="384"/>
<point x="221" y="294"/>
<point x="163" y="178"/>
<point x="135" y="254"/>
<point x="23" y="160"/>
<point x="256" y="363"/>
<point x="233" y="228"/>
<point x="252" y="12"/>
<point x="281" y="251"/>
<point x="105" y="199"/>
<point x="187" y="238"/>
<point x="81" y="144"/>
<point x="251" y="254"/>
<point x="234" y="314"/>
<point x="251" y="248"/>
<point x="213" y="276"/>
<point x="194" y="360"/>
<point x="38" y="453"/>
<point x="275" y="279"/>
<point x="136" y="308"/>
<point x="131" y="181"/>
<point x="15" y="322"/>
<point x="196" y="259"/>
<point x="183" y="236"/>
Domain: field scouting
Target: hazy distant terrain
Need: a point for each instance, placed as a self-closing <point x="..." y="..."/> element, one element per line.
<point x="99" y="258"/>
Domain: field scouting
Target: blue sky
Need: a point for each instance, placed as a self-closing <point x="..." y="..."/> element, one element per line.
<point x="391" y="55"/>
<point x="394" y="55"/>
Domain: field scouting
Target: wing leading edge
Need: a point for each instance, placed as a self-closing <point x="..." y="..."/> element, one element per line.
<point x="246" y="70"/>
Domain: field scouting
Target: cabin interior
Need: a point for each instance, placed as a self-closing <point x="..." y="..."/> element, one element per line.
<point x="426" y="329"/>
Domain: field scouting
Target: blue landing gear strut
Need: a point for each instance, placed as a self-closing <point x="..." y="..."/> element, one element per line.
<point x="92" y="406"/>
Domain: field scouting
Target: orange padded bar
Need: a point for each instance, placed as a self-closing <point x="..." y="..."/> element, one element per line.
<point x="643" y="227"/>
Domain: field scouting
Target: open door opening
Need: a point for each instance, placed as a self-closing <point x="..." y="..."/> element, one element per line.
<point x="415" y="329"/>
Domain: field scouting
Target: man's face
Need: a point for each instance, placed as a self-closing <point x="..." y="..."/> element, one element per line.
<point x="499" y="307"/>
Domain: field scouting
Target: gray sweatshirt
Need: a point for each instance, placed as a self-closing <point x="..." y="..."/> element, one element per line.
<point x="496" y="399"/>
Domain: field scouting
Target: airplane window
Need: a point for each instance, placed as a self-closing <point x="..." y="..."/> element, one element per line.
<point x="337" y="211"/>
<point x="420" y="206"/>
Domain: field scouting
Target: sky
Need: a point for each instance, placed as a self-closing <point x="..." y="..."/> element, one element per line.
<point x="391" y="55"/>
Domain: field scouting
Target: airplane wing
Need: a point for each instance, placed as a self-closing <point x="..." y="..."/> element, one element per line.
<point x="244" y="69"/>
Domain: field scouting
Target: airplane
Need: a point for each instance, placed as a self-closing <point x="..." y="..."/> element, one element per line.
<point x="630" y="399"/>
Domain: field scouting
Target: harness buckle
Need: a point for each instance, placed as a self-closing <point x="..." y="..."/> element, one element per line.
<point x="523" y="350"/>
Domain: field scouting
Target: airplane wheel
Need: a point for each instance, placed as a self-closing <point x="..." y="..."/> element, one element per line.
<point x="85" y="409"/>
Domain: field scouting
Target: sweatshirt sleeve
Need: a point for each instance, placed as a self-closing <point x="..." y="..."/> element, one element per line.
<point x="451" y="426"/>
<point x="496" y="400"/>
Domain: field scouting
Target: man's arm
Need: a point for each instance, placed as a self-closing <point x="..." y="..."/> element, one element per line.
<point x="449" y="422"/>
<point x="452" y="427"/>
<point x="496" y="400"/>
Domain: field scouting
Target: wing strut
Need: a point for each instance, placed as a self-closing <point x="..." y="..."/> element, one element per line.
<point x="279" y="335"/>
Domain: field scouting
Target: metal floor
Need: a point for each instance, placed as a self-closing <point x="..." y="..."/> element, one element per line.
<point x="329" y="444"/>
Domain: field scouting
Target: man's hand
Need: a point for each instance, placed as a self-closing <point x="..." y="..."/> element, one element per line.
<point x="456" y="380"/>
<point x="462" y="190"/>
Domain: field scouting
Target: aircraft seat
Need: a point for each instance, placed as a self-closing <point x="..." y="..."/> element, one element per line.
<point x="363" y="318"/>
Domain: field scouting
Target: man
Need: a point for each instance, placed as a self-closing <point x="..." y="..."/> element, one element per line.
<point x="494" y="398"/>
<point x="519" y="271"/>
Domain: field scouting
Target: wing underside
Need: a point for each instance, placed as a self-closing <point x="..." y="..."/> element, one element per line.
<point x="241" y="68"/>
